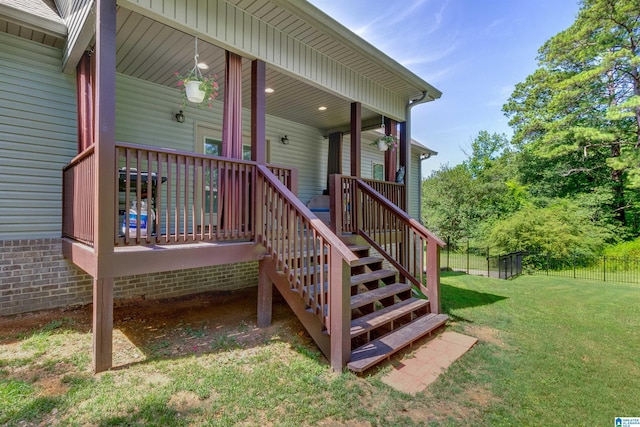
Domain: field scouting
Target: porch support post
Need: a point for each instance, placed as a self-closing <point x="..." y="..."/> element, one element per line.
<point x="102" y="324"/>
<point x="84" y="101"/>
<point x="405" y="160"/>
<point x="265" y="295"/>
<point x="104" y="192"/>
<point x="258" y="112"/>
<point x="356" y="139"/>
<point x="334" y="158"/>
<point x="340" y="315"/>
<point x="232" y="112"/>
<point x="390" y="156"/>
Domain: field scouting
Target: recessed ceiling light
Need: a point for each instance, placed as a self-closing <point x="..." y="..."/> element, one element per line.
<point x="269" y="90"/>
<point x="203" y="66"/>
<point x="322" y="108"/>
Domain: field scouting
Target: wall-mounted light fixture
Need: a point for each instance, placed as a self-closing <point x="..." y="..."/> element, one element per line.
<point x="284" y="140"/>
<point x="180" y="117"/>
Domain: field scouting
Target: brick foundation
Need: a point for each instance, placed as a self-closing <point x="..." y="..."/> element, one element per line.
<point x="34" y="276"/>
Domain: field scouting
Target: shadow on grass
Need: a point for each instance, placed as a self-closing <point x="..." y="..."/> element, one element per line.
<point x="454" y="298"/>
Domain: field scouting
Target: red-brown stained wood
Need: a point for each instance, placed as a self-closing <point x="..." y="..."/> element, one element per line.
<point x="265" y="295"/>
<point x="102" y="324"/>
<point x="356" y="142"/>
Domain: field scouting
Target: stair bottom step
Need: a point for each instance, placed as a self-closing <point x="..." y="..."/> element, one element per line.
<point x="377" y="350"/>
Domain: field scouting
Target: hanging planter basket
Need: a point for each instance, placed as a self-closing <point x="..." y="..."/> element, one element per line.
<point x="194" y="94"/>
<point x="196" y="88"/>
<point x="382" y="145"/>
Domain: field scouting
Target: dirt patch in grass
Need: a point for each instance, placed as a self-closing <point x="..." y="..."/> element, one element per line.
<point x="485" y="334"/>
<point x="191" y="325"/>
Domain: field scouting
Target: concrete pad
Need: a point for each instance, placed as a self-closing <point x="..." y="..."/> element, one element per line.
<point x="414" y="373"/>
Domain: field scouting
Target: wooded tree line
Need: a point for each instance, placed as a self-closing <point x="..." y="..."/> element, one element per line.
<point x="569" y="178"/>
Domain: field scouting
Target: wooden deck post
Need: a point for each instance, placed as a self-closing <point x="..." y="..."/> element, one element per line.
<point x="102" y="324"/>
<point x="265" y="295"/>
<point x="258" y="112"/>
<point x="340" y="311"/>
<point x="105" y="188"/>
<point x="356" y="139"/>
<point x="433" y="276"/>
<point x="390" y="156"/>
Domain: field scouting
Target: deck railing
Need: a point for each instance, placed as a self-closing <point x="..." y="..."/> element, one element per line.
<point x="78" y="193"/>
<point x="305" y="249"/>
<point x="405" y="243"/>
<point x="392" y="191"/>
<point x="194" y="197"/>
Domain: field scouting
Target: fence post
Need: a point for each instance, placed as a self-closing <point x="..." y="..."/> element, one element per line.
<point x="467" y="256"/>
<point x="488" y="264"/>
<point x="448" y="250"/>
<point x="574" y="265"/>
<point x="547" y="263"/>
<point x="604" y="268"/>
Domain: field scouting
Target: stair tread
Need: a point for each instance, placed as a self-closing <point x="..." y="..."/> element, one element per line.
<point x="377" y="294"/>
<point x="366" y="260"/>
<point x="380" y="317"/>
<point x="373" y="352"/>
<point x="305" y="271"/>
<point x="356" y="248"/>
<point x="372" y="276"/>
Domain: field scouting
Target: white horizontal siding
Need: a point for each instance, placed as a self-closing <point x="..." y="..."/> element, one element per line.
<point x="37" y="138"/>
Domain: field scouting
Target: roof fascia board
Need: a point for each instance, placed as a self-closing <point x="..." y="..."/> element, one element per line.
<point x="327" y="24"/>
<point x="38" y="23"/>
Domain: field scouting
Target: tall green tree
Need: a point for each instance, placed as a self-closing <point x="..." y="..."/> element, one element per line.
<point x="581" y="107"/>
<point x="449" y="200"/>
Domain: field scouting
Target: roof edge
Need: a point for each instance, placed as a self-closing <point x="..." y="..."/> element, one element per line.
<point x="341" y="33"/>
<point x="53" y="27"/>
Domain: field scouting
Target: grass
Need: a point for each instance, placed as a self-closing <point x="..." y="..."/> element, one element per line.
<point x="552" y="351"/>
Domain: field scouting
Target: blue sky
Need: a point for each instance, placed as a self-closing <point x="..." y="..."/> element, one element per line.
<point x="474" y="51"/>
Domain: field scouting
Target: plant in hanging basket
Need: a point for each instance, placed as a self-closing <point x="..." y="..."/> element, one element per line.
<point x="387" y="142"/>
<point x="197" y="88"/>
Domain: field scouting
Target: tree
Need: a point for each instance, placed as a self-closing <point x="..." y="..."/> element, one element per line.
<point x="449" y="200"/>
<point x="562" y="228"/>
<point x="583" y="102"/>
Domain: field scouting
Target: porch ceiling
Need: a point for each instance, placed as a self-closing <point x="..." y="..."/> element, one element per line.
<point x="152" y="51"/>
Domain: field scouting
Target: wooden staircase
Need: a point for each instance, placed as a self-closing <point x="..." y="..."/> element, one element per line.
<point x="385" y="316"/>
<point x="358" y="311"/>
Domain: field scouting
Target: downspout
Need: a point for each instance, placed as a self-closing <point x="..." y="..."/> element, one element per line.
<point x="407" y="161"/>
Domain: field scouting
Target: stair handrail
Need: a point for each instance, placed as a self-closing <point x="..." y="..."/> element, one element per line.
<point x="298" y="221"/>
<point x="433" y="245"/>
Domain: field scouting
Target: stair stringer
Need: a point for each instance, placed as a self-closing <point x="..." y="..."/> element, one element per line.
<point x="309" y="320"/>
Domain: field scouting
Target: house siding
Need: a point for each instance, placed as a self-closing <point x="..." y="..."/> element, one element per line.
<point x="146" y="115"/>
<point x="415" y="185"/>
<point x="37" y="138"/>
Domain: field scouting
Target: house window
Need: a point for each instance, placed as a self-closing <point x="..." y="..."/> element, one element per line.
<point x="209" y="141"/>
<point x="378" y="171"/>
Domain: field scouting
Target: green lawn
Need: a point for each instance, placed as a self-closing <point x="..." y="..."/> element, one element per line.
<point x="552" y="351"/>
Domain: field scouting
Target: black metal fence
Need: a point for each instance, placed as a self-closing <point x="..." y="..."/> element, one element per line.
<point x="481" y="261"/>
